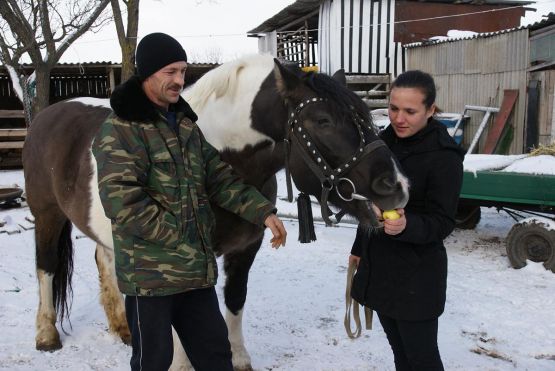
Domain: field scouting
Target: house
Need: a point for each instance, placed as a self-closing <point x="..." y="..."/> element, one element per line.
<point x="366" y="36"/>
<point x="477" y="71"/>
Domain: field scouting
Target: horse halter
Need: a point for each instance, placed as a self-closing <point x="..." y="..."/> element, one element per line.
<point x="329" y="177"/>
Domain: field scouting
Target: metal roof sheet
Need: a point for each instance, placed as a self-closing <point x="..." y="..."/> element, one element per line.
<point x="550" y="20"/>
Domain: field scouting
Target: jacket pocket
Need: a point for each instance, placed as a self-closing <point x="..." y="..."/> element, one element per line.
<point x="163" y="184"/>
<point x="164" y="168"/>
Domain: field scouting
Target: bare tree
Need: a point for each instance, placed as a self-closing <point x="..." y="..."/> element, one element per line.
<point x="43" y="30"/>
<point x="127" y="40"/>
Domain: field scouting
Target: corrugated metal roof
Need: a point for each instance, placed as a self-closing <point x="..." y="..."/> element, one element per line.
<point x="297" y="10"/>
<point x="301" y="8"/>
<point x="550" y="20"/>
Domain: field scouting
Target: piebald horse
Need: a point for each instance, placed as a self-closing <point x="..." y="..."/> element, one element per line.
<point x="262" y="116"/>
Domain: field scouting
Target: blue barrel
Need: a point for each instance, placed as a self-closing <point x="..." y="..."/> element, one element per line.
<point x="450" y="120"/>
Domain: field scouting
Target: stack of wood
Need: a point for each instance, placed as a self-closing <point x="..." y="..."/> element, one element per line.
<point x="11" y="141"/>
<point x="372" y="88"/>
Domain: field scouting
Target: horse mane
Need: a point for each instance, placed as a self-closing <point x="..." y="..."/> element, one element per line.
<point x="345" y="100"/>
<point x="223" y="80"/>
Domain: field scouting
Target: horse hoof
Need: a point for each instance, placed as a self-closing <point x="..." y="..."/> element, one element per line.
<point x="126" y="339"/>
<point x="49" y="347"/>
<point x="243" y="368"/>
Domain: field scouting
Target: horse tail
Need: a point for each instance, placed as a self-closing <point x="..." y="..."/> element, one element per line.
<point x="62" y="288"/>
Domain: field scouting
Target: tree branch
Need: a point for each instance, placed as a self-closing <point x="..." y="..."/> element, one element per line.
<point x="116" y="11"/>
<point x="84" y="27"/>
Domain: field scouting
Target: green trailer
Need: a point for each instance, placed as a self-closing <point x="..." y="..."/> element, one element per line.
<point x="528" y="198"/>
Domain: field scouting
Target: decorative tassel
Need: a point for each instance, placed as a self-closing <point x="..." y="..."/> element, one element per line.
<point x="306" y="222"/>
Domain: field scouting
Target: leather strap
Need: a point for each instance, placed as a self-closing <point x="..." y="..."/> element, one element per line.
<point x="349" y="301"/>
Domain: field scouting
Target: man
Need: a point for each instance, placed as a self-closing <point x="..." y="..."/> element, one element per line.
<point x="157" y="176"/>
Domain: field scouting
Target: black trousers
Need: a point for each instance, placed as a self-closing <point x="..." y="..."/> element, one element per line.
<point x="197" y="319"/>
<point x="414" y="344"/>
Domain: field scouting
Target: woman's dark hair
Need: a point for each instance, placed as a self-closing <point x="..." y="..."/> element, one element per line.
<point x="418" y="80"/>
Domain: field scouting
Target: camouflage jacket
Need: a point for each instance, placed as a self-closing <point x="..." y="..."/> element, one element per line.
<point x="156" y="188"/>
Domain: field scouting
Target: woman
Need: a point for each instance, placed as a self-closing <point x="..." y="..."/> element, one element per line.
<point x="402" y="271"/>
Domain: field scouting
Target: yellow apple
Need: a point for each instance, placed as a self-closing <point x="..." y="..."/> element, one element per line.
<point x="391" y="214"/>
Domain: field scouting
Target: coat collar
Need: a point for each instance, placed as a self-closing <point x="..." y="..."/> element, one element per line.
<point x="432" y="137"/>
<point x="130" y="103"/>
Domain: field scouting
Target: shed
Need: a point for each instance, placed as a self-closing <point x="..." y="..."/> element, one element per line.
<point x="365" y="36"/>
<point x="67" y="80"/>
<point x="477" y="70"/>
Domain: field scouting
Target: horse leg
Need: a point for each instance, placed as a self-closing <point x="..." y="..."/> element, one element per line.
<point x="237" y="266"/>
<point x="180" y="360"/>
<point x="54" y="266"/>
<point x="110" y="296"/>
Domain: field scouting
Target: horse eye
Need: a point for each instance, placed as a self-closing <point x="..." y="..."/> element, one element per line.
<point x="323" y="122"/>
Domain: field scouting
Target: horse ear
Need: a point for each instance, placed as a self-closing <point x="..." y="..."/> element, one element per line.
<point x="339" y="76"/>
<point x="286" y="81"/>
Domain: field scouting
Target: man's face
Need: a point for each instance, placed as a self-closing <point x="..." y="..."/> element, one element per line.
<point x="164" y="86"/>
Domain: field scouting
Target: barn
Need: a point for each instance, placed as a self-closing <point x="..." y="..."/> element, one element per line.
<point x="366" y="36"/>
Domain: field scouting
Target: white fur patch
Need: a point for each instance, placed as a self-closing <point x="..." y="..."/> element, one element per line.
<point x="99" y="224"/>
<point x="46" y="315"/>
<point x="223" y="97"/>
<point x="45" y="292"/>
<point x="403" y="180"/>
<point x="89" y="101"/>
<point x="241" y="358"/>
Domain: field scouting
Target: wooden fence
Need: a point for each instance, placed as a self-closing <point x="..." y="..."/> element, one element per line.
<point x="373" y="89"/>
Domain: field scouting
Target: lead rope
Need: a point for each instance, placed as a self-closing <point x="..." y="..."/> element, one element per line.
<point x="368" y="313"/>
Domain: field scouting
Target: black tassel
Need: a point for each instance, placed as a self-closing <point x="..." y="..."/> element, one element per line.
<point x="306" y="222"/>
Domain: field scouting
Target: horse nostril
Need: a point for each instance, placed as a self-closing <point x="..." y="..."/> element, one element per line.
<point x="389" y="182"/>
<point x="385" y="185"/>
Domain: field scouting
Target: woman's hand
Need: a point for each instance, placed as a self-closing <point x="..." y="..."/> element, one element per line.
<point x="278" y="230"/>
<point x="393" y="227"/>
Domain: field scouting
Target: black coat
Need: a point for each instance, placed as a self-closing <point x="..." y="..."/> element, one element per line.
<point x="405" y="276"/>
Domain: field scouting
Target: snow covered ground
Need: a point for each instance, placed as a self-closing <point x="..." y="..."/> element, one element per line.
<point x="496" y="317"/>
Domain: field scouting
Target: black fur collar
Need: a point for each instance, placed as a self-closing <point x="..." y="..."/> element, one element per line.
<point x="130" y="103"/>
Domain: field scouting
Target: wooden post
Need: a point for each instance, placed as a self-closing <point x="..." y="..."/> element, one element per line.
<point x="307" y="45"/>
<point x="112" y="77"/>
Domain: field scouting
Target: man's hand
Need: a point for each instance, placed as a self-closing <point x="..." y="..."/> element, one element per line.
<point x="276" y="226"/>
<point x="353" y="259"/>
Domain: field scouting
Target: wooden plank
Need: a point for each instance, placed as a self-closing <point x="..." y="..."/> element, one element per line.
<point x="13" y="133"/>
<point x="12" y="145"/>
<point x="367" y="79"/>
<point x="510" y="187"/>
<point x="11" y="114"/>
<point x="10" y="162"/>
<point x="495" y="132"/>
<point x="376" y="103"/>
<point x="371" y="93"/>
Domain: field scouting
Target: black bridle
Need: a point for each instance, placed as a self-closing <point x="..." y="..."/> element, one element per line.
<point x="328" y="176"/>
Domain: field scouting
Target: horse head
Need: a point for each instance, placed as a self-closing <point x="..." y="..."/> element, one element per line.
<point x="335" y="152"/>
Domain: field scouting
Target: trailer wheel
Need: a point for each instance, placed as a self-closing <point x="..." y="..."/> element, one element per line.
<point x="468" y="216"/>
<point x="533" y="241"/>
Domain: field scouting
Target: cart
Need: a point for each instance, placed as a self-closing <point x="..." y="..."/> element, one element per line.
<point x="528" y="198"/>
<point x="10" y="197"/>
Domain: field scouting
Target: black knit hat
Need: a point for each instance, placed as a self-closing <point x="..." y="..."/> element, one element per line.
<point x="155" y="51"/>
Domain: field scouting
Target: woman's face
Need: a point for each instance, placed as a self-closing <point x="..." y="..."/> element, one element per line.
<point x="407" y="112"/>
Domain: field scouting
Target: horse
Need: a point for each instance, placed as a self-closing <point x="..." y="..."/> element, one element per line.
<point x="262" y="115"/>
